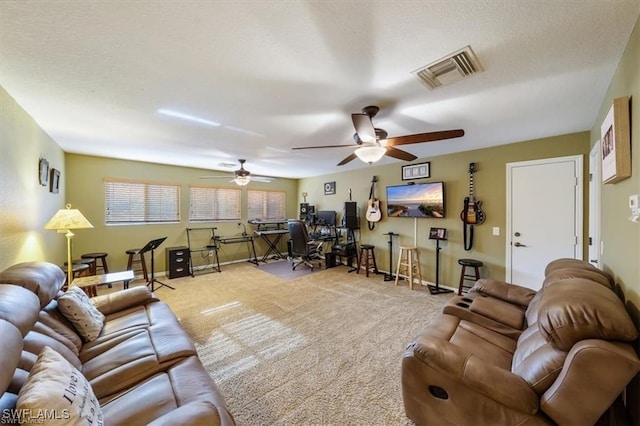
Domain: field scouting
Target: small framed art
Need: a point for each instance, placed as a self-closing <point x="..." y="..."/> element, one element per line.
<point x="54" y="181"/>
<point x="330" y="188"/>
<point x="416" y="171"/>
<point x="616" y="142"/>
<point x="43" y="172"/>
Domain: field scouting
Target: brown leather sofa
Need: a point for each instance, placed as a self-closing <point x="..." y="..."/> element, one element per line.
<point x="505" y="354"/>
<point x="143" y="368"/>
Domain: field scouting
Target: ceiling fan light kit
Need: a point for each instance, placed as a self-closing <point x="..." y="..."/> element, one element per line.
<point x="370" y="154"/>
<point x="242" y="180"/>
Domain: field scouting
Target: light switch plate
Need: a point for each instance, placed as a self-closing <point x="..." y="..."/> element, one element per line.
<point x="496" y="230"/>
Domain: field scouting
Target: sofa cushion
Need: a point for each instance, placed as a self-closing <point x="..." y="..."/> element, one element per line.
<point x="59" y="388"/>
<point x="592" y="274"/>
<point x="78" y="309"/>
<point x="580" y="309"/>
<point x="41" y="278"/>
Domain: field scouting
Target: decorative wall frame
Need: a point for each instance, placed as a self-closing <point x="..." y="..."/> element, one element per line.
<point x="43" y="170"/>
<point x="54" y="181"/>
<point x="616" y="142"/>
<point x="330" y="188"/>
<point x="416" y="171"/>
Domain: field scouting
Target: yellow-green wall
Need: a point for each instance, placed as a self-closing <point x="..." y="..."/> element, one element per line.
<point x="85" y="190"/>
<point x="490" y="188"/>
<point x="621" y="237"/>
<point x="25" y="206"/>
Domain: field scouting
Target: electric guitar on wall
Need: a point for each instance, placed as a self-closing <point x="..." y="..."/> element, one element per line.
<point x="373" y="209"/>
<point x="472" y="213"/>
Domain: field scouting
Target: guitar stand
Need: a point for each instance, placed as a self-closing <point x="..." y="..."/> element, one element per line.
<point x="389" y="276"/>
<point x="438" y="234"/>
<point x="152" y="246"/>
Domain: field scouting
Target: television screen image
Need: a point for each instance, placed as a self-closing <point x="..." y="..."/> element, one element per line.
<point x="417" y="200"/>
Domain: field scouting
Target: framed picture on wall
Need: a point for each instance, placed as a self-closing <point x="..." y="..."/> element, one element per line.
<point x="43" y="172"/>
<point x="330" y="188"/>
<point x="55" y="181"/>
<point x="616" y="142"/>
<point x="416" y="171"/>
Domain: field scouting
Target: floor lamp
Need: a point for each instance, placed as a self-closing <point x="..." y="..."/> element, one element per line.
<point x="64" y="221"/>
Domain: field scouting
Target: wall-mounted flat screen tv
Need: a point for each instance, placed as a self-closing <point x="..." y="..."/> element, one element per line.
<point x="417" y="200"/>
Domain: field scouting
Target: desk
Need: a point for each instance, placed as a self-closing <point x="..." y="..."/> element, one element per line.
<point x="241" y="239"/>
<point x="272" y="238"/>
<point x="90" y="284"/>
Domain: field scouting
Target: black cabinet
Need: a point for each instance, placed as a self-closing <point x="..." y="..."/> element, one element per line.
<point x="177" y="262"/>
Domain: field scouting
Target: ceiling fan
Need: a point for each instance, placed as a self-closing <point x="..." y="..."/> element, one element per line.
<point x="372" y="143"/>
<point x="242" y="176"/>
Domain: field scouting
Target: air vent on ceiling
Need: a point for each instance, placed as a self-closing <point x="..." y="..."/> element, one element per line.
<point x="454" y="67"/>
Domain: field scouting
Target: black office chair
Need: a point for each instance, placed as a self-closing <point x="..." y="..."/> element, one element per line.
<point x="303" y="249"/>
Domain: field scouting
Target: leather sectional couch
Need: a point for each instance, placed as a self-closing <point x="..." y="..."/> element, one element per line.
<point x="505" y="354"/>
<point x="142" y="367"/>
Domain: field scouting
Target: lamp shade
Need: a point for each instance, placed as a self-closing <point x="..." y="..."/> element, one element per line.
<point x="68" y="218"/>
<point x="370" y="154"/>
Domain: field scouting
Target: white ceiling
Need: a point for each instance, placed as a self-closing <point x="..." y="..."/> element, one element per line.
<point x="280" y="74"/>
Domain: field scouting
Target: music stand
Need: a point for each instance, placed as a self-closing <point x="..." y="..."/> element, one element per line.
<point x="438" y="234"/>
<point x="152" y="246"/>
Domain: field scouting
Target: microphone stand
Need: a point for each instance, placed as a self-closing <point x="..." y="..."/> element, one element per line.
<point x="389" y="276"/>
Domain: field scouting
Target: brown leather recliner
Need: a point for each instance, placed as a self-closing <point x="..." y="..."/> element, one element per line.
<point x="565" y="365"/>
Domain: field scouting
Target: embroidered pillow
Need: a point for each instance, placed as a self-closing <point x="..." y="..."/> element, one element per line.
<point x="56" y="390"/>
<point x="76" y="306"/>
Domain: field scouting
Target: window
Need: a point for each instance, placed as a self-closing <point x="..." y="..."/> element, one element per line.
<point x="130" y="202"/>
<point x="266" y="205"/>
<point x="207" y="203"/>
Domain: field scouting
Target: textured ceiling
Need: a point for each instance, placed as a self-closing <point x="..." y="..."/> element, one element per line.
<point x="280" y="74"/>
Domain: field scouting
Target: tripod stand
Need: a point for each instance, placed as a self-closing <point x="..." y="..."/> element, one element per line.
<point x="152" y="246"/>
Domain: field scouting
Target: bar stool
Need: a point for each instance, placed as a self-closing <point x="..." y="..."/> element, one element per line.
<point x="140" y="261"/>
<point x="77" y="269"/>
<point x="464" y="276"/>
<point x="366" y="253"/>
<point x="102" y="257"/>
<point x="410" y="263"/>
<point x="91" y="262"/>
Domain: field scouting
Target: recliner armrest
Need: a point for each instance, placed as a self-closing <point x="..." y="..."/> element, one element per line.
<point x="496" y="383"/>
<point x="194" y="413"/>
<point x="119" y="300"/>
<point x="511" y="293"/>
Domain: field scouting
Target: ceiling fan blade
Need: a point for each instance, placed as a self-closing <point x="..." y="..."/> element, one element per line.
<point x="425" y="137"/>
<point x="323" y="146"/>
<point x="364" y="127"/>
<point x="400" y="154"/>
<point x="215" y="177"/>
<point x="267" y="179"/>
<point x="352" y="156"/>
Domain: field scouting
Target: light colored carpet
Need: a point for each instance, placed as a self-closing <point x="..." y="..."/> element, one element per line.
<point x="324" y="348"/>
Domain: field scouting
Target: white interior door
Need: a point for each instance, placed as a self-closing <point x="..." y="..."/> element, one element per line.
<point x="544" y="216"/>
<point x="595" y="179"/>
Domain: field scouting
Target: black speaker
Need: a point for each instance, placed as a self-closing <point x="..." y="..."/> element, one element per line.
<point x="304" y="209"/>
<point x="351" y="215"/>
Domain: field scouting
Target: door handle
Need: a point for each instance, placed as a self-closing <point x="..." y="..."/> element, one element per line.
<point x="518" y="244"/>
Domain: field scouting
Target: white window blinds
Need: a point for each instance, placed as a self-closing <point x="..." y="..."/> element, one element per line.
<point x="128" y="202"/>
<point x="208" y="203"/>
<point x="266" y="205"/>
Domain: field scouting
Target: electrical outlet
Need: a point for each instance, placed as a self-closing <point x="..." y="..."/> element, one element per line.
<point x="210" y="253"/>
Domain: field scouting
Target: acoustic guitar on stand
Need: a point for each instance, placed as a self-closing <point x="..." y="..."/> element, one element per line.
<point x="373" y="208"/>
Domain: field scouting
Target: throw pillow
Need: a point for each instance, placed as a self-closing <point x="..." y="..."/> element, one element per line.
<point x="76" y="306"/>
<point x="56" y="393"/>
